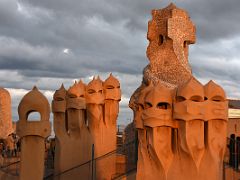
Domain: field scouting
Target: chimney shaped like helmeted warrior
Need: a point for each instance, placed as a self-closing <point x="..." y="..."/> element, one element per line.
<point x="179" y="135"/>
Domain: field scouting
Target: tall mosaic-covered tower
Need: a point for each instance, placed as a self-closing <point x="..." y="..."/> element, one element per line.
<point x="181" y="124"/>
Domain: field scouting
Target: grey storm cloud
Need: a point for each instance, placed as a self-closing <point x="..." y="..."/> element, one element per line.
<point x="213" y="17"/>
<point x="52" y="42"/>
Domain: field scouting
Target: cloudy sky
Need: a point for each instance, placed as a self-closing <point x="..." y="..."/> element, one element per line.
<point x="49" y="42"/>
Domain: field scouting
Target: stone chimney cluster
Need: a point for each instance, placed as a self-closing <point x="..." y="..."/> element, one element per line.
<point x="85" y="127"/>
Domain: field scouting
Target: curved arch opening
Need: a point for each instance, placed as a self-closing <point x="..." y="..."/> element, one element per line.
<point x="33" y="116"/>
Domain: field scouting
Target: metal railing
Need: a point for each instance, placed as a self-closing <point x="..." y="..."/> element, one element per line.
<point x="90" y="166"/>
<point x="10" y="163"/>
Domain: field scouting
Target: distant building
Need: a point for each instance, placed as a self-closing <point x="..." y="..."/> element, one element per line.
<point x="234" y="117"/>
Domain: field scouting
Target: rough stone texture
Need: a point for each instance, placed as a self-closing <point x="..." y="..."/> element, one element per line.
<point x="73" y="140"/>
<point x="181" y="124"/>
<point x="102" y="110"/>
<point x="86" y="115"/>
<point x="169" y="33"/>
<point x="33" y="134"/>
<point x="183" y="132"/>
<point x="5" y="114"/>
